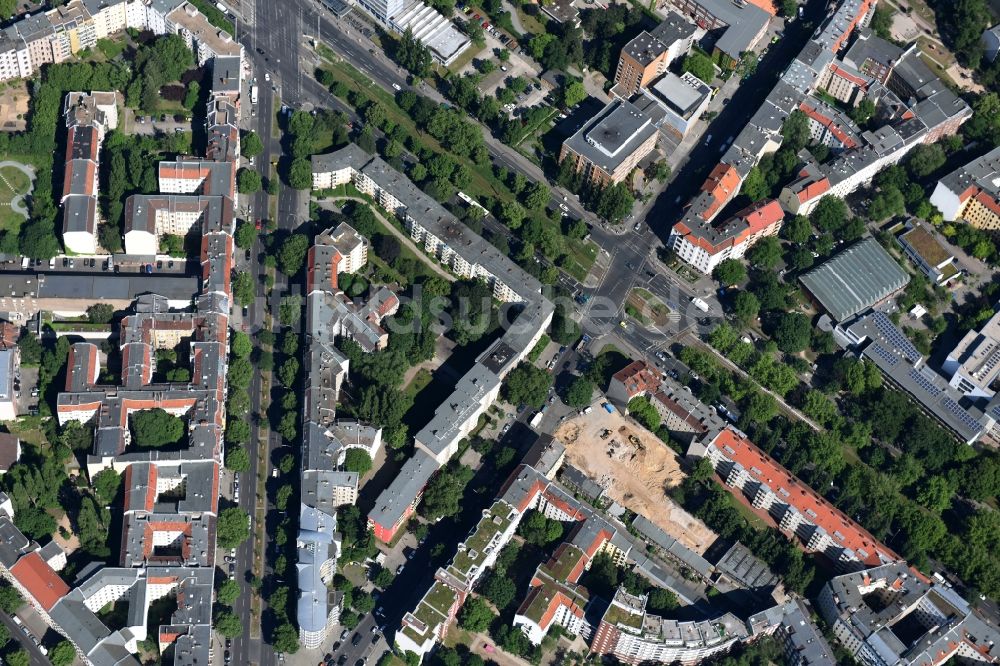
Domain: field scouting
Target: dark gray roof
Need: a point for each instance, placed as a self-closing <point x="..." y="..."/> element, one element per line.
<point x="612" y="135"/>
<point x="855" y="279"/>
<point x="115" y="286"/>
<point x="397" y="498"/>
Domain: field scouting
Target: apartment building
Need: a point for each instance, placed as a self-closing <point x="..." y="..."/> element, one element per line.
<point x="636" y="379"/>
<point x="705" y="246"/>
<point x="73" y="29"/>
<point x="204" y="39"/>
<point x="611" y="144"/>
<point x="892" y="614"/>
<point x="742" y="25"/>
<point x="756" y="478"/>
<point x="60" y="33"/>
<point x="916" y="105"/>
<point x="88" y="117"/>
<point x="675" y="103"/>
<point x="972" y="193"/>
<point x="10" y="373"/>
<point x="633" y="636"/>
<point x="649" y="54"/>
<point x="171" y="497"/>
<point x="923" y="247"/>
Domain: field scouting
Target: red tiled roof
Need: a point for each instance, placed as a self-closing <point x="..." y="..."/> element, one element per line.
<point x="762" y="215"/>
<point x="40" y="580"/>
<point x="841" y="529"/>
<point x="637" y="378"/>
<point x="814" y="189"/>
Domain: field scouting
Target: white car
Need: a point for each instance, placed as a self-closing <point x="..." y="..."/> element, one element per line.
<point x="395" y="86"/>
<point x="267" y="76"/>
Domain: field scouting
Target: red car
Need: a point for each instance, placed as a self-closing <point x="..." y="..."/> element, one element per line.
<point x="477" y="17"/>
<point x="258" y="224"/>
<point x="486" y="25"/>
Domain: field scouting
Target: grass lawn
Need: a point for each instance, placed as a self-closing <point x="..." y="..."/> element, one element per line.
<point x="649" y="306"/>
<point x="532" y="23"/>
<point x="484" y="183"/>
<point x="580" y="258"/>
<point x="418" y="383"/>
<point x="13" y="182"/>
<point x="467" y="57"/>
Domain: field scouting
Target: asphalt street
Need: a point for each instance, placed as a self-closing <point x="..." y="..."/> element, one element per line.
<point x="35" y="656"/>
<point x="274" y="46"/>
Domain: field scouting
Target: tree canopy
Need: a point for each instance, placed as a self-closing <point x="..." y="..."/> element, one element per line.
<point x="527" y="385"/>
<point x="156" y="428"/>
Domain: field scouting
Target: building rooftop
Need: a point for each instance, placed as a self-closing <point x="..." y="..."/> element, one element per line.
<point x="855" y="279"/>
<point x="843" y="531"/>
<point x="682" y="94"/>
<point x="613" y="135"/>
<point x="889" y="348"/>
<point x="218" y="41"/>
<point x="404" y="489"/>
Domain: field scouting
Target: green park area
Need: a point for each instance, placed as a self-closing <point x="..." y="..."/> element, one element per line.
<point x="14" y="184"/>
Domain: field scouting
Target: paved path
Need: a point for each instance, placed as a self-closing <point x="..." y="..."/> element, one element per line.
<point x="17" y="203"/>
<point x="403" y="238"/>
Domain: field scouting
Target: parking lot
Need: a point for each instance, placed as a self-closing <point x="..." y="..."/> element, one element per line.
<point x="150" y="125"/>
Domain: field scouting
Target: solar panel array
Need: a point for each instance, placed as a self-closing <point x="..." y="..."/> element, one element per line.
<point x="895" y="337"/>
<point x="886" y="355"/>
<point x="923" y="382"/>
<point x="960" y="413"/>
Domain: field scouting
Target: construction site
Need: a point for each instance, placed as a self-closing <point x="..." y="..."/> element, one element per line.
<point x="635" y="469"/>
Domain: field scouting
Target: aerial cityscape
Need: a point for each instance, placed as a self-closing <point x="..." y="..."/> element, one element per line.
<point x="507" y="332"/>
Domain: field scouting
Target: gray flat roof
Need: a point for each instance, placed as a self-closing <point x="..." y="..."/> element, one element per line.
<point x="683" y="94"/>
<point x="612" y="135"/>
<point x="855" y="279"/>
<point x="96" y="287"/>
<point x="396" y="499"/>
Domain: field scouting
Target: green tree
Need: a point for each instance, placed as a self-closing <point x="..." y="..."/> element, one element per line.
<point x="881" y="23"/>
<point x="285" y="639"/>
<point x="754" y="186"/>
<point x="292" y="253"/>
<point x="643" y="411"/>
<point x="539" y="530"/>
<point x="865" y="109"/>
<point x="444" y="491"/>
<point x="240" y="345"/>
<point x="829" y="214"/>
<point x="17" y="658"/>
<point x="792" y="332"/>
<point x="572" y="94"/>
<point x="499" y="589"/>
<point x="228" y="624"/>
<point x="156" y="428"/>
<point x="699" y="65"/>
<point x="250" y="144"/>
<point x="795" y="131"/>
<point x="475" y="615"/>
<point x="63" y="654"/>
<point x="766" y="253"/>
<point x="228" y="592"/>
<point x="248" y="181"/>
<point x="614" y="203"/>
<point x="357" y="460"/>
<point x="745" y="306"/>
<point x="100" y="313"/>
<point x="232" y="527"/>
<point x="300" y="174"/>
<point x="935" y="493"/>
<point x="730" y="272"/>
<point x="245" y="236"/>
<point x="237" y="459"/>
<point x="527" y="385"/>
<point x="580" y="392"/>
<point x="10" y="599"/>
<point x="243" y="288"/>
<point x="106" y="484"/>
